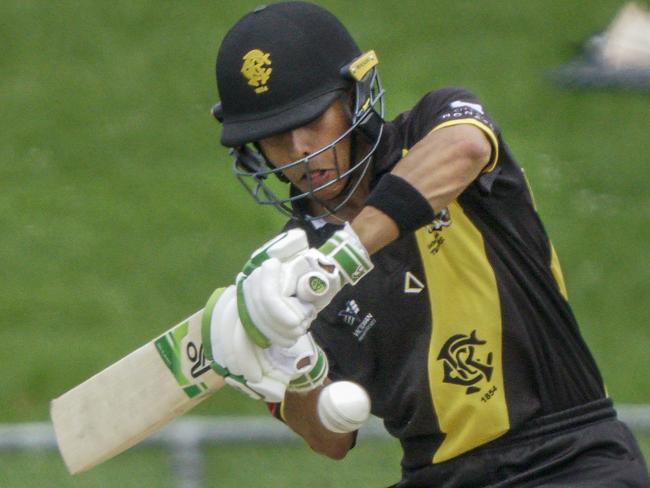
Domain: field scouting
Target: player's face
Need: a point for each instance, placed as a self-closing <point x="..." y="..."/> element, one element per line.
<point x="299" y="143"/>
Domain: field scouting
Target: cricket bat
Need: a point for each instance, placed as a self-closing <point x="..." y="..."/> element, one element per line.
<point x="133" y="398"/>
<point x="142" y="392"/>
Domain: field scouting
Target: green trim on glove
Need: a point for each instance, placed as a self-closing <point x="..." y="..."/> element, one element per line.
<point x="239" y="379"/>
<point x="352" y="264"/>
<point x="314" y="377"/>
<point x="206" y="319"/>
<point x="254" y="262"/>
<point x="261" y="255"/>
<point x="251" y="329"/>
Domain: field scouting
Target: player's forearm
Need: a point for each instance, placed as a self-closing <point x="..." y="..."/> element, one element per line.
<point x="375" y="229"/>
<point x="300" y="413"/>
<point x="439" y="168"/>
<point x="445" y="162"/>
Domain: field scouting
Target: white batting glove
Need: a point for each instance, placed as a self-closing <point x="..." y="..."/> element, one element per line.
<point x="284" y="285"/>
<point x="275" y="303"/>
<point x="262" y="374"/>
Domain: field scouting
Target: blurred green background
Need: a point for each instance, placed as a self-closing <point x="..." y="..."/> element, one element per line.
<point x="119" y="214"/>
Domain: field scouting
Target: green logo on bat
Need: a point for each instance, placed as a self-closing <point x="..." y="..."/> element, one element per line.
<point x="184" y="358"/>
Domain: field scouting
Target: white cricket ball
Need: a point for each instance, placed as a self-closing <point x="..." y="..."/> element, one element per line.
<point x="343" y="406"/>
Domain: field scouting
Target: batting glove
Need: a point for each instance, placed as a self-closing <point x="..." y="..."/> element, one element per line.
<point x="284" y="285"/>
<point x="261" y="373"/>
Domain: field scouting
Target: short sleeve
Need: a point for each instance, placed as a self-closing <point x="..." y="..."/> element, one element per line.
<point x="448" y="107"/>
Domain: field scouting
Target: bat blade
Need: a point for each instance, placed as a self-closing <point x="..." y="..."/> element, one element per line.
<point x="134" y="397"/>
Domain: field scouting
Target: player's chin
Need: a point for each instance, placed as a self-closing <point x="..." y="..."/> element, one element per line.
<point x="330" y="191"/>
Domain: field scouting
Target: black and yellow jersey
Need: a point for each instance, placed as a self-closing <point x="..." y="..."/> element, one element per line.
<point x="462" y="334"/>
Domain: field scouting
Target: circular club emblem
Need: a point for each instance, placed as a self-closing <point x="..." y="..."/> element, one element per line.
<point x="465" y="361"/>
<point x="256" y="69"/>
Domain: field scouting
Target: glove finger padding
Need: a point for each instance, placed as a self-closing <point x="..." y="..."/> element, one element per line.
<point x="223" y="321"/>
<point x="311" y="365"/>
<point x="269" y="314"/>
<point x="233" y="354"/>
<point x="282" y="247"/>
<point x="244" y="359"/>
<point x="283" y="309"/>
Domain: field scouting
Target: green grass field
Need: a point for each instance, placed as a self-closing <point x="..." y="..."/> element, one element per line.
<point x="371" y="464"/>
<point x="265" y="465"/>
<point x="119" y="214"/>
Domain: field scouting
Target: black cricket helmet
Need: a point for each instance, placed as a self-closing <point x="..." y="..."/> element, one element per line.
<point x="280" y="67"/>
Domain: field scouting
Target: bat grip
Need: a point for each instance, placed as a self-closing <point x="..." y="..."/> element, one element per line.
<point x="311" y="286"/>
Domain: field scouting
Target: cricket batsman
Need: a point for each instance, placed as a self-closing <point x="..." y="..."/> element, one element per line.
<point x="435" y="286"/>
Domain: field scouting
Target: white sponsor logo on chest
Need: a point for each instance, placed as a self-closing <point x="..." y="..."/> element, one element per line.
<point x="351" y="315"/>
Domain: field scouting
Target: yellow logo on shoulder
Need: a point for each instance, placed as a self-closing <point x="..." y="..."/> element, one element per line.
<point x="256" y="69"/>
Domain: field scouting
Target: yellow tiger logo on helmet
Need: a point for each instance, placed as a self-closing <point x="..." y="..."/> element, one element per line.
<point x="256" y="69"/>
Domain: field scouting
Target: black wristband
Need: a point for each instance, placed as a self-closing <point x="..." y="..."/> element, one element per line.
<point x="401" y="202"/>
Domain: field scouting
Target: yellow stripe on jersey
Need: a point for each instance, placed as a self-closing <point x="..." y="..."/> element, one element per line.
<point x="486" y="130"/>
<point x="465" y="354"/>
<point x="557" y="273"/>
<point x="556" y="269"/>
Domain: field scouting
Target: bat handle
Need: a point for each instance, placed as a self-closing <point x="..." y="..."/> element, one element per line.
<point x="312" y="286"/>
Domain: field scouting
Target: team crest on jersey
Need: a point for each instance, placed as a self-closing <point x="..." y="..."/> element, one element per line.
<point x="256" y="69"/>
<point x="466" y="362"/>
